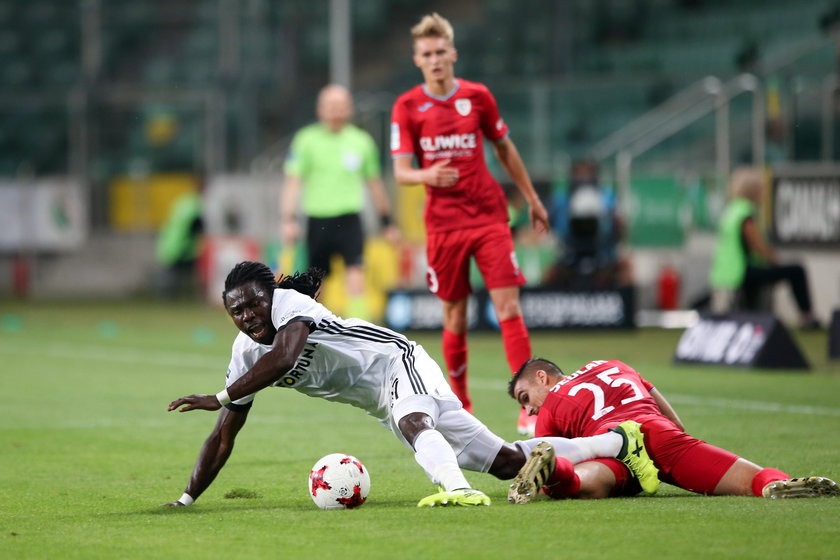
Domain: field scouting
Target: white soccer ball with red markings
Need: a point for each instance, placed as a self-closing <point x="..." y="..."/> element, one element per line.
<point x="339" y="481"/>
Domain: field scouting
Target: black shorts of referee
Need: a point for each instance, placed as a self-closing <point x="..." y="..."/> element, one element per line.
<point x="341" y="235"/>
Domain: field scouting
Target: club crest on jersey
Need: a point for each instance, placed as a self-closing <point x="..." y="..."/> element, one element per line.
<point x="463" y="106"/>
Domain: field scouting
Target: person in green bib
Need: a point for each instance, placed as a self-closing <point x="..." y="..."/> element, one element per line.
<point x="328" y="165"/>
<point x="743" y="260"/>
<point x="179" y="243"/>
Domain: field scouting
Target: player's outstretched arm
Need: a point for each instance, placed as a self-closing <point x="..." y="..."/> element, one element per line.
<point x="213" y="455"/>
<point x="666" y="408"/>
<point x="289" y="196"/>
<point x="510" y="159"/>
<point x="287" y="346"/>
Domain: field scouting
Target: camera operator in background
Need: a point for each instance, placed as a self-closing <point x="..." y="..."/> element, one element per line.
<point x="590" y="231"/>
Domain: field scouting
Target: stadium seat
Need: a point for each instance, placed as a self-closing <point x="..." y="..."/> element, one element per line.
<point x="10" y="44"/>
<point x="316" y="45"/>
<point x="202" y="44"/>
<point x="37" y="13"/>
<point x="206" y="11"/>
<point x="55" y="41"/>
<point x="201" y="72"/>
<point x="370" y="17"/>
<point x="16" y="74"/>
<point x="60" y="73"/>
<point x="160" y="72"/>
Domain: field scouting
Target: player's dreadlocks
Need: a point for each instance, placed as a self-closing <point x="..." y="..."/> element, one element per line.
<point x="249" y="271"/>
<point x="307" y="283"/>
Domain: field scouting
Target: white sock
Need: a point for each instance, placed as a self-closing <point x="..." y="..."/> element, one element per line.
<point x="435" y="455"/>
<point x="579" y="449"/>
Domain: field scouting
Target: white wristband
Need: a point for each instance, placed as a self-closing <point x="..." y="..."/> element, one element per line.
<point x="223" y="397"/>
<point x="186" y="499"/>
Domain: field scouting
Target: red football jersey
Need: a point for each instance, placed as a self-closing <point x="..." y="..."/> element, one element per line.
<point x="432" y="128"/>
<point x="599" y="395"/>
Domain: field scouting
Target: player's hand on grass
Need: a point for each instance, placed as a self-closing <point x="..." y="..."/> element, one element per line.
<point x="195" y="402"/>
<point x="440" y="175"/>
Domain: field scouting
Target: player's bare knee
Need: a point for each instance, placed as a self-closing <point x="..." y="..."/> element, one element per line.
<point x="509" y="310"/>
<point x="412" y="424"/>
<point x="455" y="316"/>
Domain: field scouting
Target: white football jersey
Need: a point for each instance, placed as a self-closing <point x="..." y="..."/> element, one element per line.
<point x="344" y="360"/>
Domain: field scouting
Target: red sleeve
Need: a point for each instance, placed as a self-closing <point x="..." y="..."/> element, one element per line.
<point x="551" y="420"/>
<point x="492" y="124"/>
<point x="647" y="384"/>
<point x="402" y="142"/>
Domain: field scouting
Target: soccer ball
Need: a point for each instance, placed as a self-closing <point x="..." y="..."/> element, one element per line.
<point x="339" y="481"/>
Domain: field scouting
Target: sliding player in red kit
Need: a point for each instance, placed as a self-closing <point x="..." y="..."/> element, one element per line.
<point x="442" y="123"/>
<point x="603" y="394"/>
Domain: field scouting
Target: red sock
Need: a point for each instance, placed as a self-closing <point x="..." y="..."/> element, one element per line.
<point x="516" y="341"/>
<point x="765" y="477"/>
<point x="455" y="356"/>
<point x="564" y="482"/>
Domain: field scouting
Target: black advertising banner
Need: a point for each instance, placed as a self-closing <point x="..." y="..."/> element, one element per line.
<point x="554" y="309"/>
<point x="834" y="336"/>
<point x="806" y="206"/>
<point x="543" y="309"/>
<point x="750" y="340"/>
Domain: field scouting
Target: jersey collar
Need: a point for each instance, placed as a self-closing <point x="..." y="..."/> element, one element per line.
<point x="445" y="96"/>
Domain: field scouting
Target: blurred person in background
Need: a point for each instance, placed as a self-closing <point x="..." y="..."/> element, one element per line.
<point x="442" y="123"/>
<point x="590" y="231"/>
<point x="331" y="161"/>
<point x="744" y="263"/>
<point x="179" y="244"/>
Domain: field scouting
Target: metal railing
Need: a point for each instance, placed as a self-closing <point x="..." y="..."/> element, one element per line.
<point x="709" y="95"/>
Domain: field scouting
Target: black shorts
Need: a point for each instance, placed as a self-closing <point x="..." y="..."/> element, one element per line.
<point x="341" y="235"/>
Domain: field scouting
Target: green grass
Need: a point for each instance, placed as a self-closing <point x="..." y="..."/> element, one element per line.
<point x="89" y="451"/>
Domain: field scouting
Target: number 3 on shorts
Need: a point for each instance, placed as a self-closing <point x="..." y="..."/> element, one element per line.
<point x="432" y="280"/>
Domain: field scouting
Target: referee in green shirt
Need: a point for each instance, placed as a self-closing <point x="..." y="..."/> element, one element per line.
<point x="326" y="170"/>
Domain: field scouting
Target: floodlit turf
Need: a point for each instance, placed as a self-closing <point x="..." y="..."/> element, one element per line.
<point x="89" y="451"/>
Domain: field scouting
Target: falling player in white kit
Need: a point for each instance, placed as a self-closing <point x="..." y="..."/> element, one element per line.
<point x="288" y="339"/>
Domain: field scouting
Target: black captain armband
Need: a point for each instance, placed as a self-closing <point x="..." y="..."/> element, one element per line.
<point x="239" y="407"/>
<point x="384" y="220"/>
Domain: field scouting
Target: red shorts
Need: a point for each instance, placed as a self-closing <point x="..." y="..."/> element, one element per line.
<point x="683" y="460"/>
<point x="625" y="483"/>
<point x="449" y="254"/>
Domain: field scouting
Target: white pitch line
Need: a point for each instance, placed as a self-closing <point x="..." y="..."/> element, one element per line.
<point x="119" y="354"/>
<point x="187" y="359"/>
<point x="759" y="406"/>
<point x="715" y="402"/>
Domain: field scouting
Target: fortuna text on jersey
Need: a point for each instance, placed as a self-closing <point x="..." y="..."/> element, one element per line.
<point x="304" y="361"/>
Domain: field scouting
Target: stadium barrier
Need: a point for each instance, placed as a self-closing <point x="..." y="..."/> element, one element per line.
<point x="834" y="336"/>
<point x="806" y="206"/>
<point x="543" y="309"/>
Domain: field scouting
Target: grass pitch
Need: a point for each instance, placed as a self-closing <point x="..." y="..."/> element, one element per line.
<point x="89" y="451"/>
